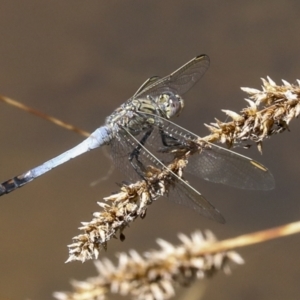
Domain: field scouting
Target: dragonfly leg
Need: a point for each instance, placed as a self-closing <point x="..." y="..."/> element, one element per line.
<point x="134" y="156"/>
<point x="169" y="142"/>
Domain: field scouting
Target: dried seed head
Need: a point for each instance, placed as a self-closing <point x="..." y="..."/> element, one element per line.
<point x="155" y="274"/>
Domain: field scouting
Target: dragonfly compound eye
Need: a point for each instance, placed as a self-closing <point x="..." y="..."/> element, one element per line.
<point x="170" y="104"/>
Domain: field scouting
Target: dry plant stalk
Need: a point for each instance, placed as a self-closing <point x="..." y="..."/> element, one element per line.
<point x="39" y="114"/>
<point x="281" y="105"/>
<point x="155" y="274"/>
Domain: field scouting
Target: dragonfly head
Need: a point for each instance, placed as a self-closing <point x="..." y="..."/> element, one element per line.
<point x="170" y="104"/>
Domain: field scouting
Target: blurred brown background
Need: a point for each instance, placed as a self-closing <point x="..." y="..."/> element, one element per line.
<point x="79" y="60"/>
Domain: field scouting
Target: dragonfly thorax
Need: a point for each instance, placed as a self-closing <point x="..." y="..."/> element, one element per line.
<point x="135" y="115"/>
<point x="169" y="104"/>
<point x="138" y="114"/>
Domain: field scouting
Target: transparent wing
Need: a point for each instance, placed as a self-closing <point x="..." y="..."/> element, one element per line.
<point x="181" y="192"/>
<point x="147" y="83"/>
<point x="121" y="149"/>
<point x="220" y="165"/>
<point x="215" y="163"/>
<point x="180" y="81"/>
<point x="185" y="194"/>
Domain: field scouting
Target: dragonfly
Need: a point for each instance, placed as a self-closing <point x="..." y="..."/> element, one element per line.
<point x="140" y="133"/>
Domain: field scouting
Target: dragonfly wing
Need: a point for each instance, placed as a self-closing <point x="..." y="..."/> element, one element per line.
<point x="180" y="192"/>
<point x="184" y="194"/>
<point x="123" y="146"/>
<point x="147" y="83"/>
<point x="215" y="163"/>
<point x="181" y="80"/>
<point x="220" y="165"/>
<point x="121" y="149"/>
